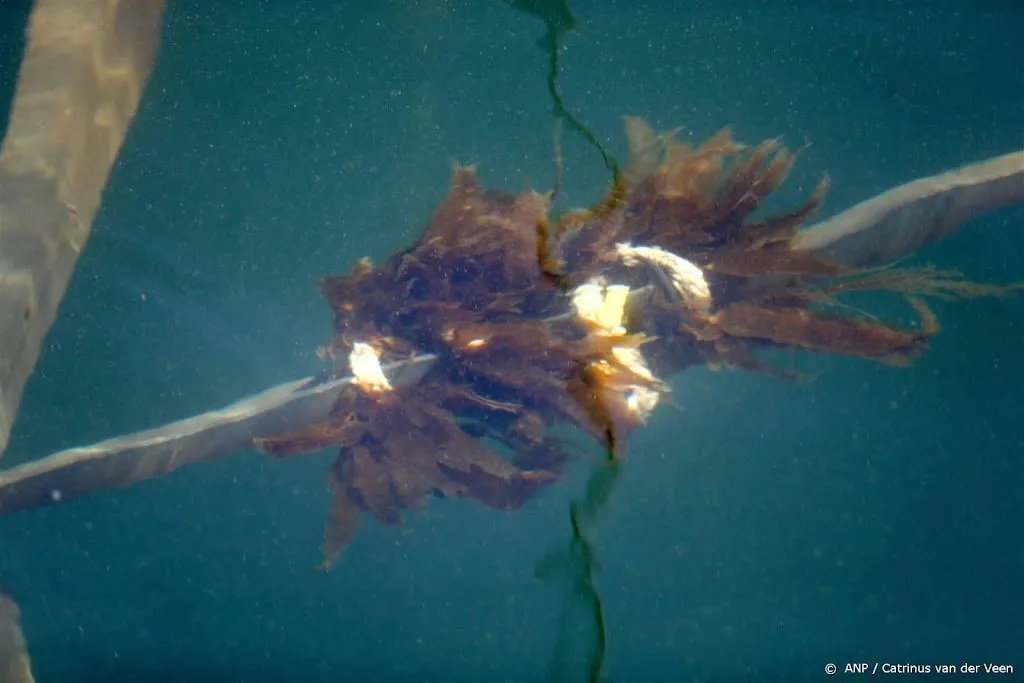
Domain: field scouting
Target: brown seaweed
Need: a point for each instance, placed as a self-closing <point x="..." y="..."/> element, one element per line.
<point x="499" y="289"/>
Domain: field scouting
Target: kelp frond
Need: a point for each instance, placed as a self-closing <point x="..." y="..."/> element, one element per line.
<point x="923" y="281"/>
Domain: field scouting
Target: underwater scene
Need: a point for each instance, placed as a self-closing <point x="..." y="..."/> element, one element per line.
<point x="511" y="340"/>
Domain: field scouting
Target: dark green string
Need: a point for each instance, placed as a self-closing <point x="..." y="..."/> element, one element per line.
<point x="554" y="50"/>
<point x="583" y="632"/>
<point x="576" y="564"/>
<point x="559" y="21"/>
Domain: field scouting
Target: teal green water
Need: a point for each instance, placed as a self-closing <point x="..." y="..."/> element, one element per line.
<point x="760" y="531"/>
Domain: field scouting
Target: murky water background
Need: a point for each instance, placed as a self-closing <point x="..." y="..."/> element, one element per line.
<point x="762" y="530"/>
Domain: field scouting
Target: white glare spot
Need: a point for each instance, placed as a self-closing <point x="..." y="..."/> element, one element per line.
<point x="365" y="365"/>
